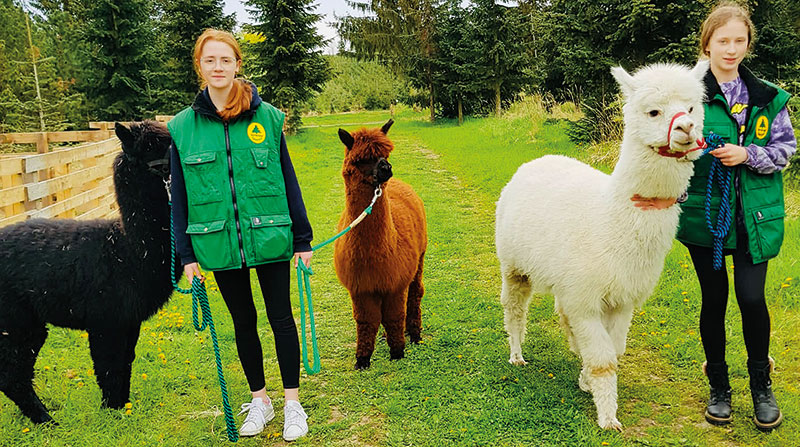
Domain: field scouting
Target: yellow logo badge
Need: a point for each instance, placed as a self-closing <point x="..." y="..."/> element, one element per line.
<point x="256" y="133"/>
<point x="762" y="127"/>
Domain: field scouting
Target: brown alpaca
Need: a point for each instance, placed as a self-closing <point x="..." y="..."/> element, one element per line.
<point x="380" y="260"/>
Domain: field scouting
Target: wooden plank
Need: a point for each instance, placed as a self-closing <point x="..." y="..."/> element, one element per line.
<point x="13" y="219"/>
<point x="12" y="195"/>
<point x="55" y="137"/>
<point x="164" y="118"/>
<point x="102" y="210"/>
<point x="70" y="155"/>
<point x="104" y="188"/>
<point x="10" y="166"/>
<point x="71" y="180"/>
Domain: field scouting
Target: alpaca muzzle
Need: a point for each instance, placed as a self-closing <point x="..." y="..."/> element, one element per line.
<point x="381" y="172"/>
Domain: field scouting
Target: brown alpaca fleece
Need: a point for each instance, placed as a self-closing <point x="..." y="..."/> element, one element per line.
<point x="380" y="260"/>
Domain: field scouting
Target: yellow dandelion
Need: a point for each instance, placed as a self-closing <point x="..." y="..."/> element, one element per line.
<point x="129" y="405"/>
<point x="459" y="356"/>
<point x="550" y="375"/>
<point x="641" y="313"/>
<point x="47" y="368"/>
<point x="604" y="443"/>
<point x="85" y="335"/>
<point x="144" y="376"/>
<point x="516" y="380"/>
<point x="783" y="286"/>
<point x="789" y="278"/>
<point x="663" y="321"/>
<point x="193" y="377"/>
<point x="26" y="430"/>
<point x="652" y="333"/>
<point x="667" y="345"/>
<point x="186" y="361"/>
<point x="691" y="332"/>
<point x="686" y="300"/>
<point x="80" y="384"/>
<point x="128" y="412"/>
<point x="694" y="361"/>
<point x="90" y="372"/>
<point x="162" y="356"/>
<point x="161" y="404"/>
<point x="152" y="334"/>
<point x="684" y="293"/>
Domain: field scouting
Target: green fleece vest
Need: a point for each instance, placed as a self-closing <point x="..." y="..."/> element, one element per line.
<point x="238" y="212"/>
<point x="759" y="195"/>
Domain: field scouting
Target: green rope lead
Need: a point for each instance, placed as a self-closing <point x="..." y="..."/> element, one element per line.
<point x="200" y="297"/>
<point x="304" y="285"/>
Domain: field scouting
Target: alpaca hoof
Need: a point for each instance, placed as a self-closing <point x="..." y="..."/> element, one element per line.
<point x="611" y="424"/>
<point x="362" y="363"/>
<point x="397" y="355"/>
<point x="415" y="338"/>
<point x="516" y="359"/>
<point x="44" y="418"/>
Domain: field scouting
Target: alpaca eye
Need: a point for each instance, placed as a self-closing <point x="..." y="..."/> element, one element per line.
<point x="654" y="113"/>
<point x="691" y="109"/>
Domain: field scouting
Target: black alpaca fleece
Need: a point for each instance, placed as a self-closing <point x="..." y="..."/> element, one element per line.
<point x="104" y="276"/>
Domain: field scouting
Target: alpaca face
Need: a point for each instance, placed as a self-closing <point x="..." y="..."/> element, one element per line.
<point x="663" y="106"/>
<point x="366" y="156"/>
<point x="148" y="143"/>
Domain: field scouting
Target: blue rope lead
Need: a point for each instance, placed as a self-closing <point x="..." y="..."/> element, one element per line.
<point x="723" y="176"/>
<point x="200" y="298"/>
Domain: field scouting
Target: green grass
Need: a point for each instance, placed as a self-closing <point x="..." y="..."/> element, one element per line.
<point x="456" y="388"/>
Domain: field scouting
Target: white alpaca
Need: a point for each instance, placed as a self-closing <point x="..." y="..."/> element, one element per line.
<point x="570" y="230"/>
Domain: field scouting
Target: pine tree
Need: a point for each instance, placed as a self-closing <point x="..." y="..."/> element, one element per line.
<point x="120" y="85"/>
<point x="288" y="66"/>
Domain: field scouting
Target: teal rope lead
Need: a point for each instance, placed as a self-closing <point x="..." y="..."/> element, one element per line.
<point x="304" y="288"/>
<point x="723" y="224"/>
<point x="200" y="298"/>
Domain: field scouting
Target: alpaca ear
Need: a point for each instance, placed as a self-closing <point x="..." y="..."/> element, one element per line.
<point x="625" y="81"/>
<point x="699" y="71"/>
<point x="346" y="138"/>
<point x="385" y="128"/>
<point x="124" y="134"/>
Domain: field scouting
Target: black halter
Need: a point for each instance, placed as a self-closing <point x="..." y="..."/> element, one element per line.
<point x="159" y="166"/>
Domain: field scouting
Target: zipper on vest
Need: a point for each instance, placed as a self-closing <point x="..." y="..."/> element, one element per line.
<point x="233" y="193"/>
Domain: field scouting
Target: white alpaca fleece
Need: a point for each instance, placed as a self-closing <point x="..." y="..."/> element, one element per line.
<point x="565" y="228"/>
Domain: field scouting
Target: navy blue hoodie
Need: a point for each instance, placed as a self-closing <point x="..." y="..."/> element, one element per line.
<point x="301" y="228"/>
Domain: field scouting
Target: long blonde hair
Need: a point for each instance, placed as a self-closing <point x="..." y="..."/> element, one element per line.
<point x="239" y="97"/>
<point x="718" y="17"/>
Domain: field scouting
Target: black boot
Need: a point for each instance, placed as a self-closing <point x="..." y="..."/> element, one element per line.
<point x="767" y="413"/>
<point x="718" y="411"/>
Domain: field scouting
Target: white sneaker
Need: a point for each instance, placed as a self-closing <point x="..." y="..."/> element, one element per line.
<point x="294" y="424"/>
<point x="258" y="414"/>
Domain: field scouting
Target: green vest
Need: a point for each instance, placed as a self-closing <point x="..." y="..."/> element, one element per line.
<point x="759" y="195"/>
<point x="238" y="212"/>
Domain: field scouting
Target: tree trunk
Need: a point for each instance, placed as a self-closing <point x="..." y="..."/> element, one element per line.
<point x="433" y="115"/>
<point x="460" y="113"/>
<point x="497" y="99"/>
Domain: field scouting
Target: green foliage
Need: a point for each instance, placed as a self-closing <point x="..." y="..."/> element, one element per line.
<point x="289" y="68"/>
<point x="121" y="84"/>
<point x="357" y="85"/>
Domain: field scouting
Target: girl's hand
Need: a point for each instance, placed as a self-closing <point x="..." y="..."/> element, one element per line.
<point x="191" y="270"/>
<point x="730" y="154"/>
<point x="305" y="256"/>
<point x="652" y="203"/>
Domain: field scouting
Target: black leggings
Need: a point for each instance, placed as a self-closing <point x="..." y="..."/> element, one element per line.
<point x="748" y="283"/>
<point x="234" y="285"/>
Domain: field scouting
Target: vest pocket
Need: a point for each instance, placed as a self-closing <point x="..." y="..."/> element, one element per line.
<point x="199" y="178"/>
<point x="769" y="230"/>
<point x="264" y="177"/>
<point x="211" y="244"/>
<point x="271" y="237"/>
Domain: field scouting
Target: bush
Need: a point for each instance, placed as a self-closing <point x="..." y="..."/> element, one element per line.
<point x="357" y="85"/>
<point x="601" y="121"/>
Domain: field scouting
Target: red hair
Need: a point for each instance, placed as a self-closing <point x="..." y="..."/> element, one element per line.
<point x="239" y="97"/>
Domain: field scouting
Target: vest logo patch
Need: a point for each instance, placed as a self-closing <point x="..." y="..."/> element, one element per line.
<point x="256" y="133"/>
<point x="738" y="108"/>
<point x="762" y="127"/>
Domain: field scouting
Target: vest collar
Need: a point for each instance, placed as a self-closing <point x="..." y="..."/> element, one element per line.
<point x="202" y="104"/>
<point x="760" y="93"/>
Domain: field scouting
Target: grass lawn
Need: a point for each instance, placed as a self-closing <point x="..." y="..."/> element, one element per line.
<point x="456" y="387"/>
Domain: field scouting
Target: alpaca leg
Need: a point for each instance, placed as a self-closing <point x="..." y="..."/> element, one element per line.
<point x="367" y="312"/>
<point x="393" y="312"/>
<point x="515" y="298"/>
<point x="18" y="351"/>
<point x="617" y="322"/>
<point x="413" y="309"/>
<point x="599" y="372"/>
<point x="113" y="351"/>
<point x="563" y="321"/>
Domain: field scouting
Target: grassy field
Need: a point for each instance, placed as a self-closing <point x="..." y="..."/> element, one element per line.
<point x="456" y="387"/>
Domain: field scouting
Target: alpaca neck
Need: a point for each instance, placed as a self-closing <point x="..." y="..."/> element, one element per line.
<point x="379" y="224"/>
<point x="142" y="206"/>
<point x="640" y="170"/>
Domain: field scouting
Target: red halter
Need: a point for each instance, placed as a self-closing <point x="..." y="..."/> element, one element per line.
<point x="664" y="151"/>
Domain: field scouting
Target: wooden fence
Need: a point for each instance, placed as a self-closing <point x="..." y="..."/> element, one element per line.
<point x="71" y="182"/>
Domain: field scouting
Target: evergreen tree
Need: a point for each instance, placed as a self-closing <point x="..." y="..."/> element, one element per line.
<point x="288" y="66"/>
<point x="121" y="84"/>
<point x="181" y="22"/>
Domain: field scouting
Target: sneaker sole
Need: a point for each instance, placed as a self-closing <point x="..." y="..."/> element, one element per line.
<point x="268" y="417"/>
<point x="717" y="421"/>
<point x="767" y="427"/>
<point x="294" y="438"/>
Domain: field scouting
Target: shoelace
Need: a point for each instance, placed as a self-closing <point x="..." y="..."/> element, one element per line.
<point x="251" y="406"/>
<point x="294" y="414"/>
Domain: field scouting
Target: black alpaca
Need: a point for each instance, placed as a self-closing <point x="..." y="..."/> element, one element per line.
<point x="105" y="276"/>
